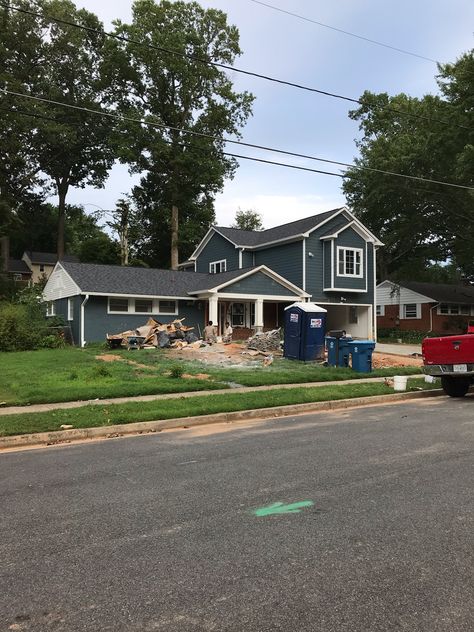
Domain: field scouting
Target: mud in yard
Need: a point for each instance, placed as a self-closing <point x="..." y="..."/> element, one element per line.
<point x="386" y="360"/>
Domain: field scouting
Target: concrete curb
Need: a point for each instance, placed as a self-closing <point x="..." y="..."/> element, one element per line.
<point x="109" y="432"/>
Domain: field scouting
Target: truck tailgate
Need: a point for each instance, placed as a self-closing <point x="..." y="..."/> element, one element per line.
<point x="449" y="350"/>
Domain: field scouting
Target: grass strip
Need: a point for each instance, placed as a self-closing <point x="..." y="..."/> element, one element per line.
<point x="94" y="416"/>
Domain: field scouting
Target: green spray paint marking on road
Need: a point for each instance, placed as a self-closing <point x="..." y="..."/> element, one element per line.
<point x="280" y="508"/>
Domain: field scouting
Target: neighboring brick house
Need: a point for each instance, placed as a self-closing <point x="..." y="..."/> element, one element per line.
<point x="245" y="277"/>
<point x="427" y="307"/>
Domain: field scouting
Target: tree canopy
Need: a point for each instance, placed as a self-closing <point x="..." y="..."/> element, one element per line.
<point x="419" y="222"/>
<point x="181" y="172"/>
<point x="248" y="220"/>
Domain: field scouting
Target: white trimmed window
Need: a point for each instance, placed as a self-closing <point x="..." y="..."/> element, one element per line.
<point x="451" y="309"/>
<point x="411" y="310"/>
<point x="380" y="310"/>
<point x="70" y="309"/>
<point x="218" y="266"/>
<point x="118" y="305"/>
<point x="167" y="307"/>
<point x="143" y="305"/>
<point x="349" y="262"/>
<point x="50" y="309"/>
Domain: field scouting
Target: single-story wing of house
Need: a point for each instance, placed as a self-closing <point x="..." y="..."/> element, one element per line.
<point x="427" y="307"/>
<point x="244" y="277"/>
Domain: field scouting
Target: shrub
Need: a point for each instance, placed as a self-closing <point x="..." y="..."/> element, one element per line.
<point x="176" y="371"/>
<point x="20" y="329"/>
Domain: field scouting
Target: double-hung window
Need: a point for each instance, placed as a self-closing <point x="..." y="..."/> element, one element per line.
<point x="70" y="309"/>
<point x="218" y="266"/>
<point x="452" y="309"/>
<point x="410" y="310"/>
<point x="50" y="309"/>
<point x="349" y="262"/>
<point x="117" y="304"/>
<point x="380" y="310"/>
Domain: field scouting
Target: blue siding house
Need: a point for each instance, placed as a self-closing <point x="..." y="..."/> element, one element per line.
<point x="245" y="277"/>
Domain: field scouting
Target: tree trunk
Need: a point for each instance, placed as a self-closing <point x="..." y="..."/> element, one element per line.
<point x="62" y="192"/>
<point x="174" y="238"/>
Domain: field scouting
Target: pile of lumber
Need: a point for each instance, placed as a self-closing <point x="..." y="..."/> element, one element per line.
<point x="155" y="334"/>
<point x="265" y="341"/>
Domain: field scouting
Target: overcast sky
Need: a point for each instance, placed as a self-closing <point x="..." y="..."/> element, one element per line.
<point x="292" y="49"/>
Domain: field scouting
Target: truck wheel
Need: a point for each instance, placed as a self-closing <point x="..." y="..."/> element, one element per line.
<point x="455" y="386"/>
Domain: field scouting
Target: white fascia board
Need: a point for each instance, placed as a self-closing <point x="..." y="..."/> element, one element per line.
<point x="269" y="244"/>
<point x="262" y="268"/>
<point x="205" y="240"/>
<point x="328" y="219"/>
<point x="377" y="241"/>
<point x="384" y="283"/>
<point x="343" y="290"/>
<point x="346" y="304"/>
<point x="284" y="298"/>
<point x="150" y="296"/>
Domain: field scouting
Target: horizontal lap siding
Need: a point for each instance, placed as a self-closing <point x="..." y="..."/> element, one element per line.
<point x="247" y="259"/>
<point x="259" y="284"/>
<point x="286" y="260"/>
<point x="98" y="322"/>
<point x="217" y="249"/>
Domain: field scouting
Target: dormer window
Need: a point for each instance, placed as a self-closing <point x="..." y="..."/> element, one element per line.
<point x="349" y="262"/>
<point x="215" y="267"/>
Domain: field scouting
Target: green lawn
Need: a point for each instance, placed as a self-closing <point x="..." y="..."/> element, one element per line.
<point x="58" y="375"/>
<point x="92" y="416"/>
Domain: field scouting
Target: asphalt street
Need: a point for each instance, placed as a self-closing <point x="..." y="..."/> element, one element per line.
<point x="158" y="532"/>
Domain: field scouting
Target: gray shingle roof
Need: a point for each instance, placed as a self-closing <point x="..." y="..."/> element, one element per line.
<point x="48" y="258"/>
<point x="250" y="238"/>
<point x="208" y="281"/>
<point x="108" y="279"/>
<point x="443" y="292"/>
<point x="18" y="266"/>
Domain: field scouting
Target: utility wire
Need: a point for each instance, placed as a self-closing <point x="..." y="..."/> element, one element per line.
<point x="190" y="146"/>
<point x="230" y="141"/>
<point x="248" y="73"/>
<point x="334" y="28"/>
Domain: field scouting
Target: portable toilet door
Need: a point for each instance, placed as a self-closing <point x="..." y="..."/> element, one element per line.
<point x="304" y="331"/>
<point x="293" y="324"/>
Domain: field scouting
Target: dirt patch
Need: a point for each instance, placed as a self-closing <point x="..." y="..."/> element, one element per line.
<point x="386" y="360"/>
<point x="108" y="357"/>
<point x="198" y="376"/>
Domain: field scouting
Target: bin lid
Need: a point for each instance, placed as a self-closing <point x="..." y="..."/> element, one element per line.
<point x="307" y="307"/>
<point x="362" y="343"/>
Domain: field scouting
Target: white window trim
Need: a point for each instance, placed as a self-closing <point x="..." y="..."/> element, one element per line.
<point x="352" y="276"/>
<point x="213" y="264"/>
<point x="382" y="310"/>
<point x="418" y="312"/>
<point x="155" y="310"/>
<point x="70" y="309"/>
<point x="458" y="305"/>
<point x="51" y="309"/>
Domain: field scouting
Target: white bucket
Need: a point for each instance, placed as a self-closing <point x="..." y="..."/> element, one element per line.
<point x="430" y="379"/>
<point x="400" y="382"/>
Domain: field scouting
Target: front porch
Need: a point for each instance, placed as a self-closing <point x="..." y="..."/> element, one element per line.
<point x="246" y="316"/>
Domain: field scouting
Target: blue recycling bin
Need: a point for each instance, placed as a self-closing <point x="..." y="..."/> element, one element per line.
<point x="361" y="351"/>
<point x="304" y="332"/>
<point x="338" y="351"/>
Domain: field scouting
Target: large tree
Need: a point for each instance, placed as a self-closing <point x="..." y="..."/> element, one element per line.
<point x="72" y="148"/>
<point x="181" y="173"/>
<point x="248" y="220"/>
<point x="431" y="137"/>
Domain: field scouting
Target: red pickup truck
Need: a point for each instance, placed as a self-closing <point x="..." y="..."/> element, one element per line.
<point x="452" y="359"/>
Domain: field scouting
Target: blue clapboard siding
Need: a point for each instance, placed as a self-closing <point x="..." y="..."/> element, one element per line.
<point x="286" y="260"/>
<point x="98" y="322"/>
<point x="75" y="324"/>
<point x="247" y="259"/>
<point x="217" y="249"/>
<point x="259" y="284"/>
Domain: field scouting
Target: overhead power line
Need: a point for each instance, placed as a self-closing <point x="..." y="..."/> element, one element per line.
<point x="249" y="73"/>
<point x="338" y="30"/>
<point x="123" y="118"/>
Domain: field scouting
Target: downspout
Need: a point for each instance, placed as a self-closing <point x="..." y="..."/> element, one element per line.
<point x="83" y="304"/>
<point x="374" y="298"/>
<point x="431" y="316"/>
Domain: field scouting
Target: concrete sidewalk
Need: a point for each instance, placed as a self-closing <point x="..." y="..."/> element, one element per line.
<point x="397" y="349"/>
<point x="40" y="408"/>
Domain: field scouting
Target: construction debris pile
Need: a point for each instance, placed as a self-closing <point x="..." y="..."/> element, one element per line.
<point x="154" y="334"/>
<point x="265" y="341"/>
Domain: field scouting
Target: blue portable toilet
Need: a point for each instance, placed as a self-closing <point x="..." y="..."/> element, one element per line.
<point x="305" y="324"/>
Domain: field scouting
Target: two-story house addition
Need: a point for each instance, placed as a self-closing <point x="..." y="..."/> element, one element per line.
<point x="245" y="277"/>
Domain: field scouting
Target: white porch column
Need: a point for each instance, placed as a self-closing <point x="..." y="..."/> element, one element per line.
<point x="213" y="310"/>
<point x="259" y="315"/>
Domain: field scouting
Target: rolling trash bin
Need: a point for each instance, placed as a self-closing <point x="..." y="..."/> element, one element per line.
<point x="361" y="351"/>
<point x="337" y="345"/>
